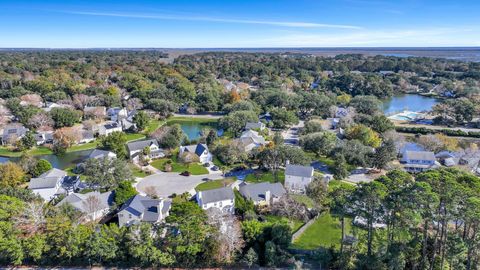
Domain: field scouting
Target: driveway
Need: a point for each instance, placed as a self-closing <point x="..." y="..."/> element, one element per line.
<point x="290" y="136"/>
<point x="166" y="184"/>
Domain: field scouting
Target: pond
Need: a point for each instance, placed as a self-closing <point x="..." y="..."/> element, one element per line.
<point x="408" y="102"/>
<point x="60" y="162"/>
<point x="193" y="129"/>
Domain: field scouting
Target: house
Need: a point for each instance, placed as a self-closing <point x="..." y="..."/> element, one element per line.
<point x="263" y="193"/>
<point x="418" y="161"/>
<point x="255" y="125"/>
<point x="341" y="112"/>
<point x="201" y="150"/>
<point x="297" y="177"/>
<point x="117" y="114"/>
<point x="128" y="124"/>
<point x="109" y="128"/>
<point x="135" y="148"/>
<point x="258" y="139"/>
<point x="266" y="117"/>
<point x="143" y="209"/>
<point x="86" y="136"/>
<point x="70" y="184"/>
<point x="44" y="137"/>
<point x="48" y="184"/>
<point x="250" y="139"/>
<point x="220" y="198"/>
<point x="98" y="112"/>
<point x="12" y="133"/>
<point x="93" y="205"/>
<point x="97" y="153"/>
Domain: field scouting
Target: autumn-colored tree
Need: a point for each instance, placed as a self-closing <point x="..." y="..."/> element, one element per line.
<point x="11" y="175"/>
<point x="65" y="137"/>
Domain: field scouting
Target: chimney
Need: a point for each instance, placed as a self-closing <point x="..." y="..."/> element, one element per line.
<point x="160" y="207"/>
<point x="268" y="197"/>
<point x="287" y="162"/>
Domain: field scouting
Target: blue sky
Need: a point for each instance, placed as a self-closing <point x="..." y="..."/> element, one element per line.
<point x="235" y="24"/>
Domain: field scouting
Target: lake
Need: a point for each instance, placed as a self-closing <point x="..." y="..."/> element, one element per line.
<point x="193" y="129"/>
<point x="408" y="102"/>
<point x="60" y="162"/>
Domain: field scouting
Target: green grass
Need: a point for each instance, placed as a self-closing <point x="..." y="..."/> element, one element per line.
<point x="265" y="177"/>
<point x="325" y="232"/>
<point x="137" y="172"/>
<point x="180" y="119"/>
<point x="153" y="125"/>
<point x="81" y="147"/>
<point x="294" y="224"/>
<point x="195" y="169"/>
<point x="300" y="198"/>
<point x="214" y="184"/>
<point x="134" y="137"/>
<point x="36" y="151"/>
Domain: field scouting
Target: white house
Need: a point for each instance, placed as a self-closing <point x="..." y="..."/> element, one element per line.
<point x="109" y="128"/>
<point x="418" y="161"/>
<point x="117" y="113"/>
<point x="135" y="148"/>
<point x="221" y="198"/>
<point x="48" y="184"/>
<point x="264" y="193"/>
<point x="255" y="125"/>
<point x="143" y="209"/>
<point x="98" y="154"/>
<point x="94" y="205"/>
<point x="201" y="150"/>
<point x="250" y="139"/>
<point x="297" y="177"/>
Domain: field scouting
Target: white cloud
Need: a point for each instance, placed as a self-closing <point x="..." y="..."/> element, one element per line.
<point x="212" y="19"/>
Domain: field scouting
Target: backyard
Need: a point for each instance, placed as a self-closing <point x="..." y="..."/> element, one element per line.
<point x="294" y="224"/>
<point x="213" y="184"/>
<point x="193" y="168"/>
<point x="259" y="177"/>
<point x="324" y="232"/>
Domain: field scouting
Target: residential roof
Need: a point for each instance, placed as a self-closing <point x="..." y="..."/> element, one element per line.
<point x="80" y="201"/>
<point x="97" y="153"/>
<point x="254" y="125"/>
<point x="256" y="192"/>
<point x="146" y="207"/>
<point x="299" y="170"/>
<point x="254" y="135"/>
<point x="14" y="130"/>
<point x="111" y="125"/>
<point x="218" y="194"/>
<point x="48" y="179"/>
<point x="198" y="149"/>
<point x="139" y="145"/>
<point x="419" y="155"/>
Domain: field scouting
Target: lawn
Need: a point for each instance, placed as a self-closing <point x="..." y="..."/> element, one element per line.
<point x="195" y="169"/>
<point x="137" y="172"/>
<point x="265" y="177"/>
<point x="36" y="151"/>
<point x="134" y="137"/>
<point x="325" y="232"/>
<point x="300" y="198"/>
<point x="294" y="224"/>
<point x="214" y="184"/>
<point x="81" y="147"/>
<point x="180" y="119"/>
<point x="153" y="125"/>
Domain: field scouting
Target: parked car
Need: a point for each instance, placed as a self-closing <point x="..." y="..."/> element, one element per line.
<point x="185" y="173"/>
<point x="206" y="165"/>
<point x="206" y="179"/>
<point x="215" y="168"/>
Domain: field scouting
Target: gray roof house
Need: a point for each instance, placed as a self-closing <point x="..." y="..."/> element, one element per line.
<point x="12" y="133"/>
<point x="263" y="193"/>
<point x="136" y="147"/>
<point x="220" y="198"/>
<point x="201" y="150"/>
<point x="298" y="177"/>
<point x="255" y="125"/>
<point x="97" y="153"/>
<point x="93" y="205"/>
<point x="143" y="209"/>
<point x="48" y="184"/>
<point x="418" y="161"/>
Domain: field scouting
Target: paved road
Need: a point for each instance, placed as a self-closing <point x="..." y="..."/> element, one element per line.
<point x="165" y="184"/>
<point x="290" y="136"/>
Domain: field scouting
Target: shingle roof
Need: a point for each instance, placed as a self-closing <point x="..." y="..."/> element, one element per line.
<point x="48" y="179"/>
<point x="198" y="149"/>
<point x="79" y="201"/>
<point x="299" y="170"/>
<point x="54" y="172"/>
<point x="256" y="192"/>
<point x="111" y="125"/>
<point x="139" y="145"/>
<point x="254" y="125"/>
<point x="419" y="155"/>
<point x="138" y="205"/>
<point x="97" y="153"/>
<point x="218" y="194"/>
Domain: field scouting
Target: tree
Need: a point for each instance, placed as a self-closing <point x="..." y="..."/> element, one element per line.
<point x="230" y="153"/>
<point x="11" y="175"/>
<point x="364" y="134"/>
<point x="312" y="126"/>
<point x="169" y="137"/>
<point x="114" y="142"/>
<point x="250" y="258"/>
<point x="320" y="143"/>
<point x="380" y="123"/>
<point x="64" y="117"/>
<point x="64" y="138"/>
<point x="317" y="191"/>
<point x="384" y="154"/>
<point x="163" y="107"/>
<point x="340" y="205"/>
<point x="339" y="168"/>
<point x="106" y="172"/>
<point x="41" y="167"/>
<point x="28" y="141"/>
<point x="369" y="105"/>
<point x="235" y="121"/>
<point x="211" y="137"/>
<point x="141" y="119"/>
<point x="281" y="118"/>
<point x="124" y="191"/>
<point x="41" y="121"/>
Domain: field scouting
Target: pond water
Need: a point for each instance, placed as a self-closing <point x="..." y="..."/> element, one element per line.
<point x="409" y="102"/>
<point x="60" y="162"/>
<point x="193" y="129"/>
